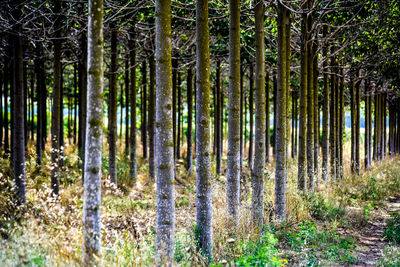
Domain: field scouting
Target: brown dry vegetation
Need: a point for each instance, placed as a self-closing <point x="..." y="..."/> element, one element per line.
<point x="49" y="230"/>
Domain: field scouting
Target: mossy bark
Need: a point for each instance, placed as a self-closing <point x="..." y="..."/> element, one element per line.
<point x="203" y="139"/>
<point x="93" y="145"/>
<point x="165" y="214"/>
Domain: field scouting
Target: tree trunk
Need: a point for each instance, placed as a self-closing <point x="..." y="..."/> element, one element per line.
<point x="332" y="118"/>
<point x="218" y="121"/>
<point x="341" y="119"/>
<point x="144" y="109"/>
<point x="251" y="81"/>
<point x="179" y="105"/>
<point x="316" y="113"/>
<point x="267" y="122"/>
<point x="357" y="128"/>
<point x="203" y="196"/>
<point x="127" y="105"/>
<point x="310" y="107"/>
<point x="165" y="142"/>
<point x="82" y="77"/>
<point x="257" y="173"/>
<point x="112" y="112"/>
<point x="93" y="145"/>
<point x="56" y="112"/>
<point x="242" y="143"/>
<point x="152" y="120"/>
<point x="132" y="139"/>
<point x="325" y="116"/>
<point x="301" y="180"/>
<point x="281" y="132"/>
<point x="233" y="171"/>
<point x="18" y="110"/>
<point x="189" y="83"/>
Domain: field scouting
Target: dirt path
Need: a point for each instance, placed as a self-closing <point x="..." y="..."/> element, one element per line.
<point x="371" y="243"/>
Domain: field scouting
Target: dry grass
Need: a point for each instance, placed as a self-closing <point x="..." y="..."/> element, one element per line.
<point x="49" y="231"/>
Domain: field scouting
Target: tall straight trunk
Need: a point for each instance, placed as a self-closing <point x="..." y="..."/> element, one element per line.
<point x="1" y="108"/>
<point x="32" y="104"/>
<point x="310" y="107"/>
<point x="174" y="84"/>
<point x="127" y="105"/>
<point x="325" y="116"/>
<point x="39" y="95"/>
<point x="179" y="105"/>
<point x="112" y="111"/>
<point x="341" y="124"/>
<point x="391" y="130"/>
<point x="301" y="179"/>
<point x="144" y="109"/>
<point x="5" y="123"/>
<point x="165" y="142"/>
<point x="275" y="85"/>
<point x="152" y="119"/>
<point x="75" y="102"/>
<point x="61" y="140"/>
<point x="25" y="102"/>
<point x="332" y="118"/>
<point x="121" y="104"/>
<point x="82" y="77"/>
<point x="353" y="122"/>
<point x="281" y="109"/>
<point x="368" y="126"/>
<point x="251" y="113"/>
<point x="56" y="111"/>
<point x="132" y="89"/>
<point x="91" y="252"/>
<point x="384" y="138"/>
<point x="233" y="170"/>
<point x="203" y="196"/>
<point x="293" y="125"/>
<point x="357" y="128"/>
<point x="316" y="113"/>
<point x="376" y="125"/>
<point x="241" y="116"/>
<point x="189" y="83"/>
<point x="267" y="122"/>
<point x="218" y="121"/>
<point x="214" y="120"/>
<point x="257" y="174"/>
<point x="221" y="120"/>
<point x="18" y="116"/>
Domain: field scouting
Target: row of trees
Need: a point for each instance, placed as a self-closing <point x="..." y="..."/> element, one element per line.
<point x="302" y="56"/>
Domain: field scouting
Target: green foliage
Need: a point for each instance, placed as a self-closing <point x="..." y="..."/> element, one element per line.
<point x="392" y="230"/>
<point x="261" y="252"/>
<point x="323" y="209"/>
<point x="312" y="244"/>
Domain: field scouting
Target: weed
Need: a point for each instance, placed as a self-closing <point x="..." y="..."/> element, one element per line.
<point x="392" y="230"/>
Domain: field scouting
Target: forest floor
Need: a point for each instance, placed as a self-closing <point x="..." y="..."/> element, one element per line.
<point x="344" y="225"/>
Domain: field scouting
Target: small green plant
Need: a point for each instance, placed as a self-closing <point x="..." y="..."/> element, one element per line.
<point x="391" y="257"/>
<point x="261" y="252"/>
<point x="392" y="230"/>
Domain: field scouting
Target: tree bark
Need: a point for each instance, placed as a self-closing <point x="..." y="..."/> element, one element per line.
<point x="233" y="171"/>
<point x="301" y="180"/>
<point x="56" y="112"/>
<point x="152" y="120"/>
<point x="203" y="196"/>
<point x="127" y="105"/>
<point x="164" y="135"/>
<point x="218" y="121"/>
<point x="144" y="109"/>
<point x="310" y="106"/>
<point x="132" y="132"/>
<point x="267" y="122"/>
<point x="18" y="110"/>
<point x="257" y="173"/>
<point x="281" y="109"/>
<point x="93" y="145"/>
<point x="251" y="113"/>
<point x="332" y="118"/>
<point x="325" y="116"/>
<point x="112" y="112"/>
<point x="189" y="157"/>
